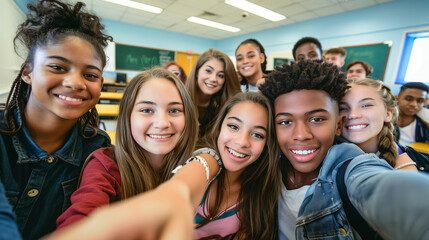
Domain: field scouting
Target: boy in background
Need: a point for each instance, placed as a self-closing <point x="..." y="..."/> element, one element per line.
<point x="413" y="117"/>
<point x="307" y="48"/>
<point x="335" y="56"/>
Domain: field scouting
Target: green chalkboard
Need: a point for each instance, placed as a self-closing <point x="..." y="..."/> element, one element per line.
<point x="375" y="54"/>
<point x="281" y="61"/>
<point x="141" y="58"/>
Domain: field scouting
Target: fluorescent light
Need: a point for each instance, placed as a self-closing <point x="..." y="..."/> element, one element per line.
<point x="213" y="24"/>
<point x="256" y="9"/>
<point x="137" y="5"/>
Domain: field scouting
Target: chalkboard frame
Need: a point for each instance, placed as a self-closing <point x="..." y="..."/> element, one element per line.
<point x="143" y="68"/>
<point x="372" y="44"/>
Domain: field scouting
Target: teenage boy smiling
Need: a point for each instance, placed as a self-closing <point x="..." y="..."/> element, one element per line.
<point x="305" y="97"/>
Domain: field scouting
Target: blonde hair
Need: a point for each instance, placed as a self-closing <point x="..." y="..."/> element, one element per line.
<point x="137" y="175"/>
<point x="386" y="138"/>
<point x="230" y="87"/>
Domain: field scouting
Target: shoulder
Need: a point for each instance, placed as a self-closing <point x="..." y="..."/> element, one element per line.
<point x="103" y="157"/>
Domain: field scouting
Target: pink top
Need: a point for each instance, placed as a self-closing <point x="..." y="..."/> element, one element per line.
<point x="224" y="226"/>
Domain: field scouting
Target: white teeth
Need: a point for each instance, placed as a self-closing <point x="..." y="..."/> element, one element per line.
<point x="70" y="99"/>
<point x="303" y="152"/>
<point x="356" y="127"/>
<point x="210" y="85"/>
<point x="160" y="136"/>
<point x="236" y="154"/>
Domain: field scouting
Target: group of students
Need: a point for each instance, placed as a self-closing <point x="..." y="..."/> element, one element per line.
<point x="202" y="159"/>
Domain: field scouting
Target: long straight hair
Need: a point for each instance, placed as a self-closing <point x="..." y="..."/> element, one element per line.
<point x="386" y="138"/>
<point x="230" y="87"/>
<point x="137" y="175"/>
<point x="260" y="181"/>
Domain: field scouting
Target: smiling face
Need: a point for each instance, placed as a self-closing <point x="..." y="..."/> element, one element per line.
<point x="249" y="60"/>
<point x="411" y="101"/>
<point x="306" y="124"/>
<point x="308" y="51"/>
<point x="242" y="136"/>
<point x="211" y="77"/>
<point x="365" y="114"/>
<point x="66" y="80"/>
<point x="356" y="71"/>
<point x="157" y="119"/>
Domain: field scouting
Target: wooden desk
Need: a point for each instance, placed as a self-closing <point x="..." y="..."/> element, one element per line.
<point x="107" y="110"/>
<point x="421" y="147"/>
<point x="112" y="135"/>
<point x="111" y="95"/>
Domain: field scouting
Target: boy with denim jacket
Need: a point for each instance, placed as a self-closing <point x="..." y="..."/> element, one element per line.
<point x="305" y="97"/>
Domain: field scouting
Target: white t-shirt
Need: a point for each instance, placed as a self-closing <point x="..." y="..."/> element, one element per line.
<point x="408" y="133"/>
<point x="249" y="88"/>
<point x="289" y="203"/>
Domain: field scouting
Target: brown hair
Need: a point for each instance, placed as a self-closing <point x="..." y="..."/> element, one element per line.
<point x="48" y="22"/>
<point x="260" y="181"/>
<point x="137" y="175"/>
<point x="183" y="76"/>
<point x="368" y="68"/>
<point x="340" y="51"/>
<point x="230" y="87"/>
<point x="386" y="137"/>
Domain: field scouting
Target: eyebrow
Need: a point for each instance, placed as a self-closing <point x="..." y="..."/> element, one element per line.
<point x="320" y="110"/>
<point x="153" y="103"/>
<point x="367" y="99"/>
<point x="239" y="120"/>
<point x="70" y="62"/>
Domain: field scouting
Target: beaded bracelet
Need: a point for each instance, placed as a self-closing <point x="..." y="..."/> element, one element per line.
<point x="405" y="164"/>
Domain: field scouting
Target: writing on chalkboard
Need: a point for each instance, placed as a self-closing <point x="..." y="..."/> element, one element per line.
<point x="140" y="58"/>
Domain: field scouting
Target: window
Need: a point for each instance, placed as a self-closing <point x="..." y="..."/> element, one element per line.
<point x="414" y="58"/>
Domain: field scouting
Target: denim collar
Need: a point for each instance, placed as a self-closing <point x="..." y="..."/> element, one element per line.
<point x="28" y="151"/>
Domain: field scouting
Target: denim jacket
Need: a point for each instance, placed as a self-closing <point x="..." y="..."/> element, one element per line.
<point x="8" y="228"/>
<point x="382" y="197"/>
<point x="39" y="185"/>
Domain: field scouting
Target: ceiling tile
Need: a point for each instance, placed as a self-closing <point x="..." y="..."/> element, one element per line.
<point x="315" y="4"/>
<point x="303" y="16"/>
<point x="383" y="1"/>
<point x="331" y="10"/>
<point x="292" y="9"/>
<point x="273" y="5"/>
<point x="357" y="4"/>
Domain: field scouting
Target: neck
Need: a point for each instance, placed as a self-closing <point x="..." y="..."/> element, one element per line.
<point x="157" y="162"/>
<point x="294" y="179"/>
<point x="203" y="100"/>
<point x="252" y="80"/>
<point x="49" y="133"/>
<point x="405" y="120"/>
<point x="370" y="146"/>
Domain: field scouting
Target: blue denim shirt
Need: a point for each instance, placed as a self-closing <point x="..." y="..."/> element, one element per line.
<point x="8" y="228"/>
<point x="39" y="185"/>
<point x="382" y="196"/>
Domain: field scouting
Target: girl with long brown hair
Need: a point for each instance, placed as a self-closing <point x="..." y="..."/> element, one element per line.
<point x="212" y="81"/>
<point x="242" y="202"/>
<point x="156" y="132"/>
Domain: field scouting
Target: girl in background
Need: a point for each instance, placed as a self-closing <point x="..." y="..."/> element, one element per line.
<point x="251" y="64"/>
<point x="49" y="125"/>
<point x="176" y="69"/>
<point x="371" y="117"/>
<point x="156" y="132"/>
<point x="212" y="81"/>
<point x="242" y="202"/>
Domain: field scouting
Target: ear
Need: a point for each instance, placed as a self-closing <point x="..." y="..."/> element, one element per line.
<point x="342" y="63"/>
<point x="26" y="73"/>
<point x="262" y="56"/>
<point x="389" y="115"/>
<point x="340" y="123"/>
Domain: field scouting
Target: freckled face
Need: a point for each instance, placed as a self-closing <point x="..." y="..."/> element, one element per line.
<point x="243" y="136"/>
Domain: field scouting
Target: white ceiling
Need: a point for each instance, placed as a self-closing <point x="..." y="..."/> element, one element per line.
<point x="175" y="12"/>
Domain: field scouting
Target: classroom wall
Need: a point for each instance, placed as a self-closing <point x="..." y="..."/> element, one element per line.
<point x="10" y="17"/>
<point x="385" y="22"/>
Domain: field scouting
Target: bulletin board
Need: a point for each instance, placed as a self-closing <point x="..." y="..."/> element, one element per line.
<point x="138" y="58"/>
<point x="376" y="55"/>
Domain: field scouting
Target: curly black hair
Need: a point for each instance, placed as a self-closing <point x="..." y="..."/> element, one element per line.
<point x="306" y="40"/>
<point x="305" y="75"/>
<point x="49" y="22"/>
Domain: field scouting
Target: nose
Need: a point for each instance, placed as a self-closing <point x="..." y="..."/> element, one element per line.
<point x="301" y="132"/>
<point x="354" y="113"/>
<point x="161" y="120"/>
<point x="242" y="140"/>
<point x="75" y="81"/>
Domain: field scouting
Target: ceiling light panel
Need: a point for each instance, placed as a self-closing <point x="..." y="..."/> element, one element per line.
<point x="256" y="9"/>
<point x="213" y="24"/>
<point x="137" y="5"/>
